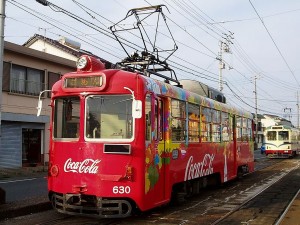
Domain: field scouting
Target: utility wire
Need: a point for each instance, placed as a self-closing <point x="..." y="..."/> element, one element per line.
<point x="187" y="69"/>
<point x="13" y="2"/>
<point x="86" y="9"/>
<point x="275" y="43"/>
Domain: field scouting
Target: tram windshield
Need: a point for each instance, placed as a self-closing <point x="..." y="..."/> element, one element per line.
<point x="66" y="117"/>
<point x="283" y="135"/>
<point x="109" y="117"/>
<point x="278" y="135"/>
<point x="271" y="135"/>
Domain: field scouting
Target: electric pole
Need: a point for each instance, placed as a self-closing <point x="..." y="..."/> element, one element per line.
<point x="2" y="18"/>
<point x="298" y="108"/>
<point x="221" y="67"/>
<point x="289" y="112"/>
<point x="256" y="119"/>
<point x="224" y="47"/>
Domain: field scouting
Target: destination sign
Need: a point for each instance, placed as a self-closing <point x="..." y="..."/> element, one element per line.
<point x="83" y="82"/>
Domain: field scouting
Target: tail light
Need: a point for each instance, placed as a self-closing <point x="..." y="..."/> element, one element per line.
<point x="129" y="173"/>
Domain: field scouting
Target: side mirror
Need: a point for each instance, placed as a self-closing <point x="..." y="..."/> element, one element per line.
<point x="137" y="109"/>
<point x="40" y="102"/>
<point x="136" y="105"/>
<point x="39" y="107"/>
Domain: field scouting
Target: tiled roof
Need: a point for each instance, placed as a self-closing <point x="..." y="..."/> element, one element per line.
<point x="52" y="42"/>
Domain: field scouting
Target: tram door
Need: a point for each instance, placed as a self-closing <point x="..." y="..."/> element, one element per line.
<point x="155" y="149"/>
<point x="160" y="137"/>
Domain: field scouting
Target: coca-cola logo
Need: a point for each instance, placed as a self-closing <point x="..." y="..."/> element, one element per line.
<point x="199" y="169"/>
<point x="86" y="166"/>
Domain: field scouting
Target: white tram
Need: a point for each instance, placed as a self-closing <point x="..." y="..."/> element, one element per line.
<point x="282" y="141"/>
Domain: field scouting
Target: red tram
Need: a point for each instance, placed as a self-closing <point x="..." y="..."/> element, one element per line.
<point x="122" y="141"/>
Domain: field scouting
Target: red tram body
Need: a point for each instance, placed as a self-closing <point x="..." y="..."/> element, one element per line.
<point x="122" y="141"/>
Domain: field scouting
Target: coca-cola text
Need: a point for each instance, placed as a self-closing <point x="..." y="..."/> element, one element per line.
<point x="199" y="169"/>
<point x="86" y="166"/>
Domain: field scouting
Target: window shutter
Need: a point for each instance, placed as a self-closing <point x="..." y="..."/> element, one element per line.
<point x="52" y="79"/>
<point x="6" y="76"/>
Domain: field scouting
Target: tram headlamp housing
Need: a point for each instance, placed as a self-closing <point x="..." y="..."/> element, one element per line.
<point x="89" y="64"/>
<point x="82" y="62"/>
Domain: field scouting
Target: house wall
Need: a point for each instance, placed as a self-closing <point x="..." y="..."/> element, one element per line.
<point x="41" y="45"/>
<point x="18" y="111"/>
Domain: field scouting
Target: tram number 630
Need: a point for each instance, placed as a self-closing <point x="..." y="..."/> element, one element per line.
<point x="121" y="189"/>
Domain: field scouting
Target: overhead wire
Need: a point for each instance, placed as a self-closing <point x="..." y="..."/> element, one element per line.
<point x="280" y="53"/>
<point x="247" y="61"/>
<point x="193" y="71"/>
<point x="85" y="8"/>
<point x="187" y="12"/>
<point x="26" y="9"/>
<point x="251" y="67"/>
<point x="187" y="69"/>
<point x="91" y="25"/>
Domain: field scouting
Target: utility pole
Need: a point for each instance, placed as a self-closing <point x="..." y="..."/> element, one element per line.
<point x="224" y="47"/>
<point x="256" y="119"/>
<point x="289" y="112"/>
<point x="221" y="66"/>
<point x="298" y="108"/>
<point x="2" y="18"/>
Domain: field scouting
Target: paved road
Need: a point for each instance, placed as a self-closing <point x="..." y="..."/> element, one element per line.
<point x="24" y="188"/>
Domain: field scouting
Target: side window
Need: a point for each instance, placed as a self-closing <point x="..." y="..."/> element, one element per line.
<point x="17" y="79"/>
<point x="25" y="80"/>
<point x="194" y="122"/>
<point x="216" y="125"/>
<point x="148" y="117"/>
<point x="178" y="117"/>
<point x="34" y="81"/>
<point x="238" y="128"/>
<point x="226" y="131"/>
<point x="206" y="124"/>
<point x="249" y="128"/>
<point x="231" y="123"/>
<point x="245" y="130"/>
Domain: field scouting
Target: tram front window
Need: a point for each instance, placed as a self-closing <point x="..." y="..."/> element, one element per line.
<point x="271" y="135"/>
<point x="66" y="117"/>
<point x="283" y="135"/>
<point x="109" y="117"/>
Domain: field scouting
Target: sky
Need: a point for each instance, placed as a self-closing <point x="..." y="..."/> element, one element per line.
<point x="262" y="38"/>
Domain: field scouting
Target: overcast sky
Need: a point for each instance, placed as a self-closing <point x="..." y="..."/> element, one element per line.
<point x="264" y="41"/>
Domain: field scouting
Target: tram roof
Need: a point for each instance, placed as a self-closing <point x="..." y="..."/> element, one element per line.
<point x="162" y="88"/>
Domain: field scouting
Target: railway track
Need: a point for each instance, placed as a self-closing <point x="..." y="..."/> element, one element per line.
<point x="258" y="198"/>
<point x="267" y="206"/>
